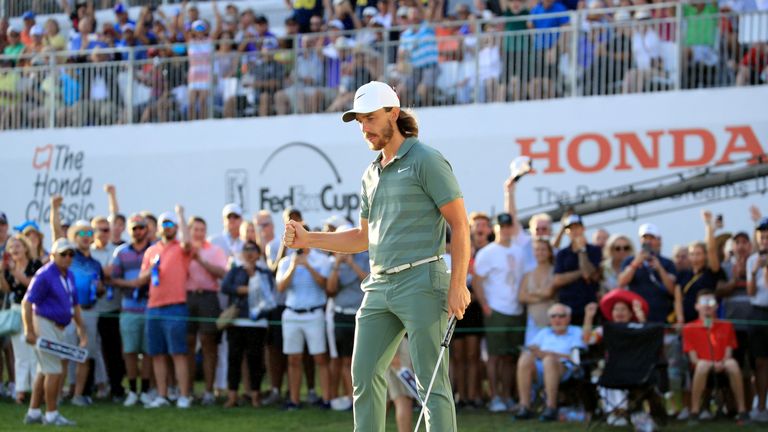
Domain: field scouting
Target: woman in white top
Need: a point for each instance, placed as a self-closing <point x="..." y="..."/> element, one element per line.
<point x="200" y="50"/>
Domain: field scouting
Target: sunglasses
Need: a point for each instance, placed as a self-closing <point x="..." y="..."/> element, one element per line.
<point x="707" y="302"/>
<point x="265" y="224"/>
<point x="67" y="254"/>
<point x="625" y="248"/>
<point x="558" y="315"/>
<point x="233" y="216"/>
<point x="168" y="224"/>
<point x="85" y="233"/>
<point x="138" y="227"/>
<point x="104" y="230"/>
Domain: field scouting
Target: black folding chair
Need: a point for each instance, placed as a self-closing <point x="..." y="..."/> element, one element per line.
<point x="632" y="358"/>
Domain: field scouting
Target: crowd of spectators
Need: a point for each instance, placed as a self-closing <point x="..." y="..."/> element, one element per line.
<point x="234" y="64"/>
<point x="151" y="293"/>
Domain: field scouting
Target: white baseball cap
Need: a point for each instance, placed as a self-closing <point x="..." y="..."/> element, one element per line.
<point x="648" y="229"/>
<point x="62" y="245"/>
<point x="230" y="209"/>
<point x="167" y="216"/>
<point x="372" y="97"/>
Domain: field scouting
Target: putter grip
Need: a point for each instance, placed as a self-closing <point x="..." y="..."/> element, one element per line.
<point x="449" y="331"/>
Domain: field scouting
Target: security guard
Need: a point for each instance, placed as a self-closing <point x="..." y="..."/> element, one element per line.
<point x="408" y="195"/>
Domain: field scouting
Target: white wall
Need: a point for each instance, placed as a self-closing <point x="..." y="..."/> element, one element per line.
<point x="202" y="164"/>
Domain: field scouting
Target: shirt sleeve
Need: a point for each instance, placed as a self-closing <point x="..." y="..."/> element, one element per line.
<point x="282" y="267"/>
<point x="560" y="261"/>
<point x="38" y="289"/>
<point x="483" y="263"/>
<point x="228" y="284"/>
<point x="364" y="206"/>
<point x="437" y="179"/>
<point x="146" y="260"/>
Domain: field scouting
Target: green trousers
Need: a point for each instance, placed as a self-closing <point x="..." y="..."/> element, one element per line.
<point x="413" y="301"/>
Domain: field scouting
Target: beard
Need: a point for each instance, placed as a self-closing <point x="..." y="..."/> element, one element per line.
<point x="385" y="136"/>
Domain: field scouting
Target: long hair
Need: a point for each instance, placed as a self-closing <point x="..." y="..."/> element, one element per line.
<point x="27" y="246"/>
<point x="406" y="123"/>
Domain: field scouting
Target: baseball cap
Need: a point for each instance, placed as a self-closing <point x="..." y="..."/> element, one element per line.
<point x="402" y="11"/>
<point x="167" y="217"/>
<point x="28" y="15"/>
<point x="26" y="226"/>
<point x="762" y="224"/>
<point x="230" y="209"/>
<point x="119" y="8"/>
<point x="261" y="19"/>
<point x="504" y="219"/>
<point x="128" y="26"/>
<point x="573" y="219"/>
<point x="136" y="220"/>
<point x="370" y="11"/>
<point x="62" y="245"/>
<point x="743" y="235"/>
<point x="337" y="24"/>
<point x="37" y="30"/>
<point x="3" y="218"/>
<point x="648" y="229"/>
<point x="199" y="26"/>
<point x="12" y="29"/>
<point x="372" y="97"/>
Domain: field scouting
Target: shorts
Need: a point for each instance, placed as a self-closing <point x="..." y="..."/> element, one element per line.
<point x="570" y="368"/>
<point x="48" y="363"/>
<point x="299" y="328"/>
<point x="345" y="333"/>
<point x="133" y="333"/>
<point x="758" y="334"/>
<point x="472" y="324"/>
<point x="741" y="354"/>
<point x="91" y="323"/>
<point x="505" y="334"/>
<point x="203" y="310"/>
<point x="166" y="329"/>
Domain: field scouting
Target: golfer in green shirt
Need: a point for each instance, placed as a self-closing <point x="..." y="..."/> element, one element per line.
<point x="408" y="195"/>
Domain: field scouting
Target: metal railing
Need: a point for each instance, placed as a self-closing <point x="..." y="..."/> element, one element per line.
<point x="15" y="8"/>
<point x="598" y="52"/>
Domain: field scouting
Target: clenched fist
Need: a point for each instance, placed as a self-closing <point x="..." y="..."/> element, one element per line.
<point x="295" y="235"/>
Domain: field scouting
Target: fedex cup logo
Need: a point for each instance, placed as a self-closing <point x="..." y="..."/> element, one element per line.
<point x="60" y="170"/>
<point x="314" y="184"/>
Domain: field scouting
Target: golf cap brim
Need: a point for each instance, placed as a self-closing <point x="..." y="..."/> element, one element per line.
<point x="372" y="97"/>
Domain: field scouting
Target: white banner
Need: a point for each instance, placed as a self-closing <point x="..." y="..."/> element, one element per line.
<point x="583" y="147"/>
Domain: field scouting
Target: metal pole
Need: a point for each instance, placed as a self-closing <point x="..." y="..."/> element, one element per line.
<point x="131" y="88"/>
<point x="678" y="70"/>
<point x="55" y="81"/>
<point x="211" y="80"/>
<point x="574" y="66"/>
<point x="478" y="34"/>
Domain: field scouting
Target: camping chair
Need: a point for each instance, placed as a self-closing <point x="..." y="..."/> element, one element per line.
<point x="632" y="357"/>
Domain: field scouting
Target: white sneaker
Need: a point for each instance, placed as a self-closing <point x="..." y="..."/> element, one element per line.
<point x="497" y="405"/>
<point x="343" y="403"/>
<point x="146" y="398"/>
<point x="131" y="399"/>
<point x="159" y="402"/>
<point x="184" y="402"/>
<point x="759" y="416"/>
<point x="273" y="398"/>
<point x="706" y="415"/>
<point x="618" y="421"/>
<point x="683" y="414"/>
<point x="59" y="420"/>
<point x="80" y="401"/>
<point x="173" y="394"/>
<point x="208" y="399"/>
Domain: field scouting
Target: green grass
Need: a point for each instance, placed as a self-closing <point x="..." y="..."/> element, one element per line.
<point x="110" y="417"/>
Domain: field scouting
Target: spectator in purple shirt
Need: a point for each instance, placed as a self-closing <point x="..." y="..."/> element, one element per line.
<point x="48" y="307"/>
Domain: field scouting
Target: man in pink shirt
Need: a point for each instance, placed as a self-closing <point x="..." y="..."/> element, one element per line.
<point x="207" y="267"/>
<point x="166" y="268"/>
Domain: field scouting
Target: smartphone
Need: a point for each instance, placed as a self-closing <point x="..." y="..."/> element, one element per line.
<point x="719" y="221"/>
<point x="299" y="251"/>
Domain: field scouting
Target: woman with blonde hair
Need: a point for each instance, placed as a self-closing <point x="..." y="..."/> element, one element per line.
<point x="617" y="249"/>
<point x="16" y="270"/>
<point x="35" y="237"/>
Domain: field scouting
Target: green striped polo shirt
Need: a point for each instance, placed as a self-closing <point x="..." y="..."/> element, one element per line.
<point x="402" y="205"/>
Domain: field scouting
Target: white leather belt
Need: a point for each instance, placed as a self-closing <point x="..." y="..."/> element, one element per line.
<point x="402" y="267"/>
<point x="345" y="311"/>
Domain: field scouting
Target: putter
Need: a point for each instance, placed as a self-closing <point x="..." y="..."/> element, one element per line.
<point x="444" y="345"/>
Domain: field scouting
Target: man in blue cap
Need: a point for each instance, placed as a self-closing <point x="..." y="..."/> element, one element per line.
<point x="121" y="16"/>
<point x="577" y="270"/>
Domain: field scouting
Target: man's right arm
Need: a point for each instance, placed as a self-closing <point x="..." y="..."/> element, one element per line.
<point x="350" y="241"/>
<point x="29" y="326"/>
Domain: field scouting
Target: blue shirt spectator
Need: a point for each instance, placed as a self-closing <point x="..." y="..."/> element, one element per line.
<point x="546" y="7"/>
<point x="579" y="293"/>
<point x="304" y="292"/>
<point x="88" y="275"/>
<point x="647" y="283"/>
<point x="421" y="44"/>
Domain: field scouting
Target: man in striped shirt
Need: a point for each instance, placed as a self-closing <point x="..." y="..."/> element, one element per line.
<point x="419" y="46"/>
<point x="409" y="194"/>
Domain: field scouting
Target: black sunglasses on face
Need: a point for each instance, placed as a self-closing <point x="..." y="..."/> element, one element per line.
<point x="557" y="315"/>
<point x="67" y="254"/>
<point x="618" y="248"/>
